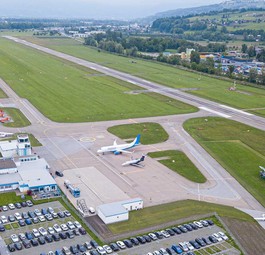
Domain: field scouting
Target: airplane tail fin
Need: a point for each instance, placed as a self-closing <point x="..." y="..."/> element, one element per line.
<point x="142" y="158"/>
<point x="137" y="140"/>
<point x="115" y="143"/>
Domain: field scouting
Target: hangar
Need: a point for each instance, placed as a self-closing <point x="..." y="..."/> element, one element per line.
<point x="118" y="211"/>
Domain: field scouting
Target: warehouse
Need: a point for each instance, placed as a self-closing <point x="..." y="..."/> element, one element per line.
<point x="118" y="211"/>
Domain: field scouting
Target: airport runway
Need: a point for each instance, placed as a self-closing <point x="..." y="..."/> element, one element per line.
<point x="74" y="145"/>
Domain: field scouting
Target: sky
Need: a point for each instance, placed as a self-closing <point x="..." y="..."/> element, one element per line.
<point x="95" y="9"/>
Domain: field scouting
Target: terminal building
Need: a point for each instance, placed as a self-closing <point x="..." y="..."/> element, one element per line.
<point x="22" y="170"/>
<point x="118" y="211"/>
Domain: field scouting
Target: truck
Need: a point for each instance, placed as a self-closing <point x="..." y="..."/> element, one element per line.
<point x="73" y="190"/>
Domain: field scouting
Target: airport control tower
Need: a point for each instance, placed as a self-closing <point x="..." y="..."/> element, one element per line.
<point x="23" y="145"/>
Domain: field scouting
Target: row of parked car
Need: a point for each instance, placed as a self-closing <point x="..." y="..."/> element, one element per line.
<point x="41" y="236"/>
<point x="36" y="216"/>
<point x="190" y="246"/>
<point x="17" y="205"/>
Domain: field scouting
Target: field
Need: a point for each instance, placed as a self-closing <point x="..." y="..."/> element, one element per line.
<point x="151" y="133"/>
<point x="155" y="215"/>
<point x="19" y="120"/>
<point x="65" y="92"/>
<point x="2" y="94"/>
<point x="180" y="163"/>
<point x="207" y="87"/>
<point x="239" y="148"/>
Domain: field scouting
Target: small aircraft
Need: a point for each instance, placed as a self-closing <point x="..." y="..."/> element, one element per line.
<point x="118" y="149"/>
<point x="4" y="134"/>
<point x="135" y="162"/>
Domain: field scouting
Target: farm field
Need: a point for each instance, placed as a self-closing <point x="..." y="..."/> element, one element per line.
<point x="151" y="133"/>
<point x="239" y="148"/>
<point x="245" y="97"/>
<point x="65" y="92"/>
<point x="178" y="162"/>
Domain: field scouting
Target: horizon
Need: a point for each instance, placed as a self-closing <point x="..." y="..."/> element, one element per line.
<point x="93" y="9"/>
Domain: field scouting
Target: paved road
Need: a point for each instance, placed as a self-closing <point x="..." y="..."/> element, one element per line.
<point x="64" y="147"/>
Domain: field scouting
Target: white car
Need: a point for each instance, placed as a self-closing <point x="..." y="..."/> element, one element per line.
<point x="70" y="225"/>
<point x="223" y="236"/>
<point x="101" y="250"/>
<point x="57" y="228"/>
<point x="204" y="223"/>
<point x="121" y="244"/>
<point x="11" y="206"/>
<point x="219" y="238"/>
<point x="198" y="224"/>
<point x="35" y="232"/>
<point x="37" y="212"/>
<point x="191" y="248"/>
<point x="77" y="224"/>
<point x="107" y="249"/>
<point x="152" y="236"/>
<point x="64" y="227"/>
<point x="183" y="246"/>
<point x="5" y="208"/>
<point x="50" y="209"/>
<point x="4" y="219"/>
<point x="165" y="233"/>
<point x="43" y="231"/>
<point x="18" y="216"/>
<point x="41" y="218"/>
<point x="22" y="236"/>
<point x="50" y="230"/>
<point x="14" y="238"/>
<point x="163" y="251"/>
<point x="156" y="253"/>
<point x="88" y="245"/>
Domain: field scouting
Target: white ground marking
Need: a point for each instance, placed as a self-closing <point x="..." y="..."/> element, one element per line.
<point x="235" y="110"/>
<point x="212" y="111"/>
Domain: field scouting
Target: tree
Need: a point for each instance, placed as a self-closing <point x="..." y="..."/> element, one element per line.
<point x="261" y="56"/>
<point x="253" y="74"/>
<point x="231" y="69"/>
<point x="251" y="51"/>
<point x="195" y="57"/>
<point x="262" y="77"/>
<point x="244" y="48"/>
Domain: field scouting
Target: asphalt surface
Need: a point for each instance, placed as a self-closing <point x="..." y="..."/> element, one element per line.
<point x="70" y="146"/>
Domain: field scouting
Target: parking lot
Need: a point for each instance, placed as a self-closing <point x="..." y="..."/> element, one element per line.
<point x="14" y="228"/>
<point x="223" y="246"/>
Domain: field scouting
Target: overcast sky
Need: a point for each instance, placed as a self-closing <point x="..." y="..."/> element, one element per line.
<point x="97" y="9"/>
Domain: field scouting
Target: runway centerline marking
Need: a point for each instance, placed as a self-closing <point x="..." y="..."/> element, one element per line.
<point x="215" y="112"/>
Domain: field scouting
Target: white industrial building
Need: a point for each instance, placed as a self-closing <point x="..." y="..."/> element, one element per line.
<point x="118" y="211"/>
<point x="19" y="169"/>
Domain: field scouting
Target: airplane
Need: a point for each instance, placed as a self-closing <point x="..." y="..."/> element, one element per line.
<point x="262" y="168"/>
<point x="262" y="218"/>
<point x="135" y="162"/>
<point x="118" y="149"/>
<point x="4" y="134"/>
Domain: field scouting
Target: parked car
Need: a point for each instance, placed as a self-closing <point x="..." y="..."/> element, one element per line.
<point x="48" y="217"/>
<point x="56" y="237"/>
<point x="170" y="231"/>
<point x="44" y="211"/>
<point x="101" y="250"/>
<point x="114" y="247"/>
<point x="41" y="218"/>
<point x="29" y="235"/>
<point x="64" y="227"/>
<point x="18" y="216"/>
<point x="2" y="228"/>
<point x="23" y="204"/>
<point x="59" y="173"/>
<point x="198" y="224"/>
<point x="141" y="239"/>
<point x="73" y="249"/>
<point x="210" y="222"/>
<point x="147" y="238"/>
<point x="165" y="233"/>
<point x="183" y="229"/>
<point x="62" y="235"/>
<point x="14" y="238"/>
<point x="11" y="218"/>
<point x="35" y="232"/>
<point x="66" y="251"/>
<point x="18" y="246"/>
<point x="31" y="214"/>
<point x="48" y="238"/>
<point x="158" y="234"/>
<point x="4" y="219"/>
<point x="34" y="242"/>
<point x="217" y="236"/>
<point x="61" y="214"/>
<point x="107" y="249"/>
<point x="163" y="251"/>
<point x="41" y="240"/>
<point x="35" y="220"/>
<point x="70" y="234"/>
<point x="54" y="215"/>
<point x="206" y="240"/>
<point x="213" y="239"/>
<point x="43" y="231"/>
<point x="81" y="247"/>
<point x="200" y="242"/>
<point x="11" y="247"/>
<point x="82" y="231"/>
<point x="221" y="234"/>
<point x="77" y="224"/>
<point x="128" y="243"/>
<point x="184" y="246"/>
<point x="18" y="205"/>
<point x="21" y="223"/>
<point x="121" y="244"/>
<point x="204" y="223"/>
<point x="195" y="244"/>
<point x="169" y="251"/>
<point x="153" y="236"/>
<point x="76" y="232"/>
<point x="22" y="236"/>
<point x="28" y="221"/>
<point x="50" y="230"/>
<point x="57" y="228"/>
<point x="188" y="227"/>
<point x="195" y="227"/>
<point x="94" y="244"/>
<point x="26" y="243"/>
<point x="176" y="249"/>
<point x="4" y="208"/>
<point x="67" y="213"/>
<point x="70" y="225"/>
<point x="11" y="206"/>
<point x="176" y="230"/>
<point x="29" y="203"/>
<point x="88" y="245"/>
